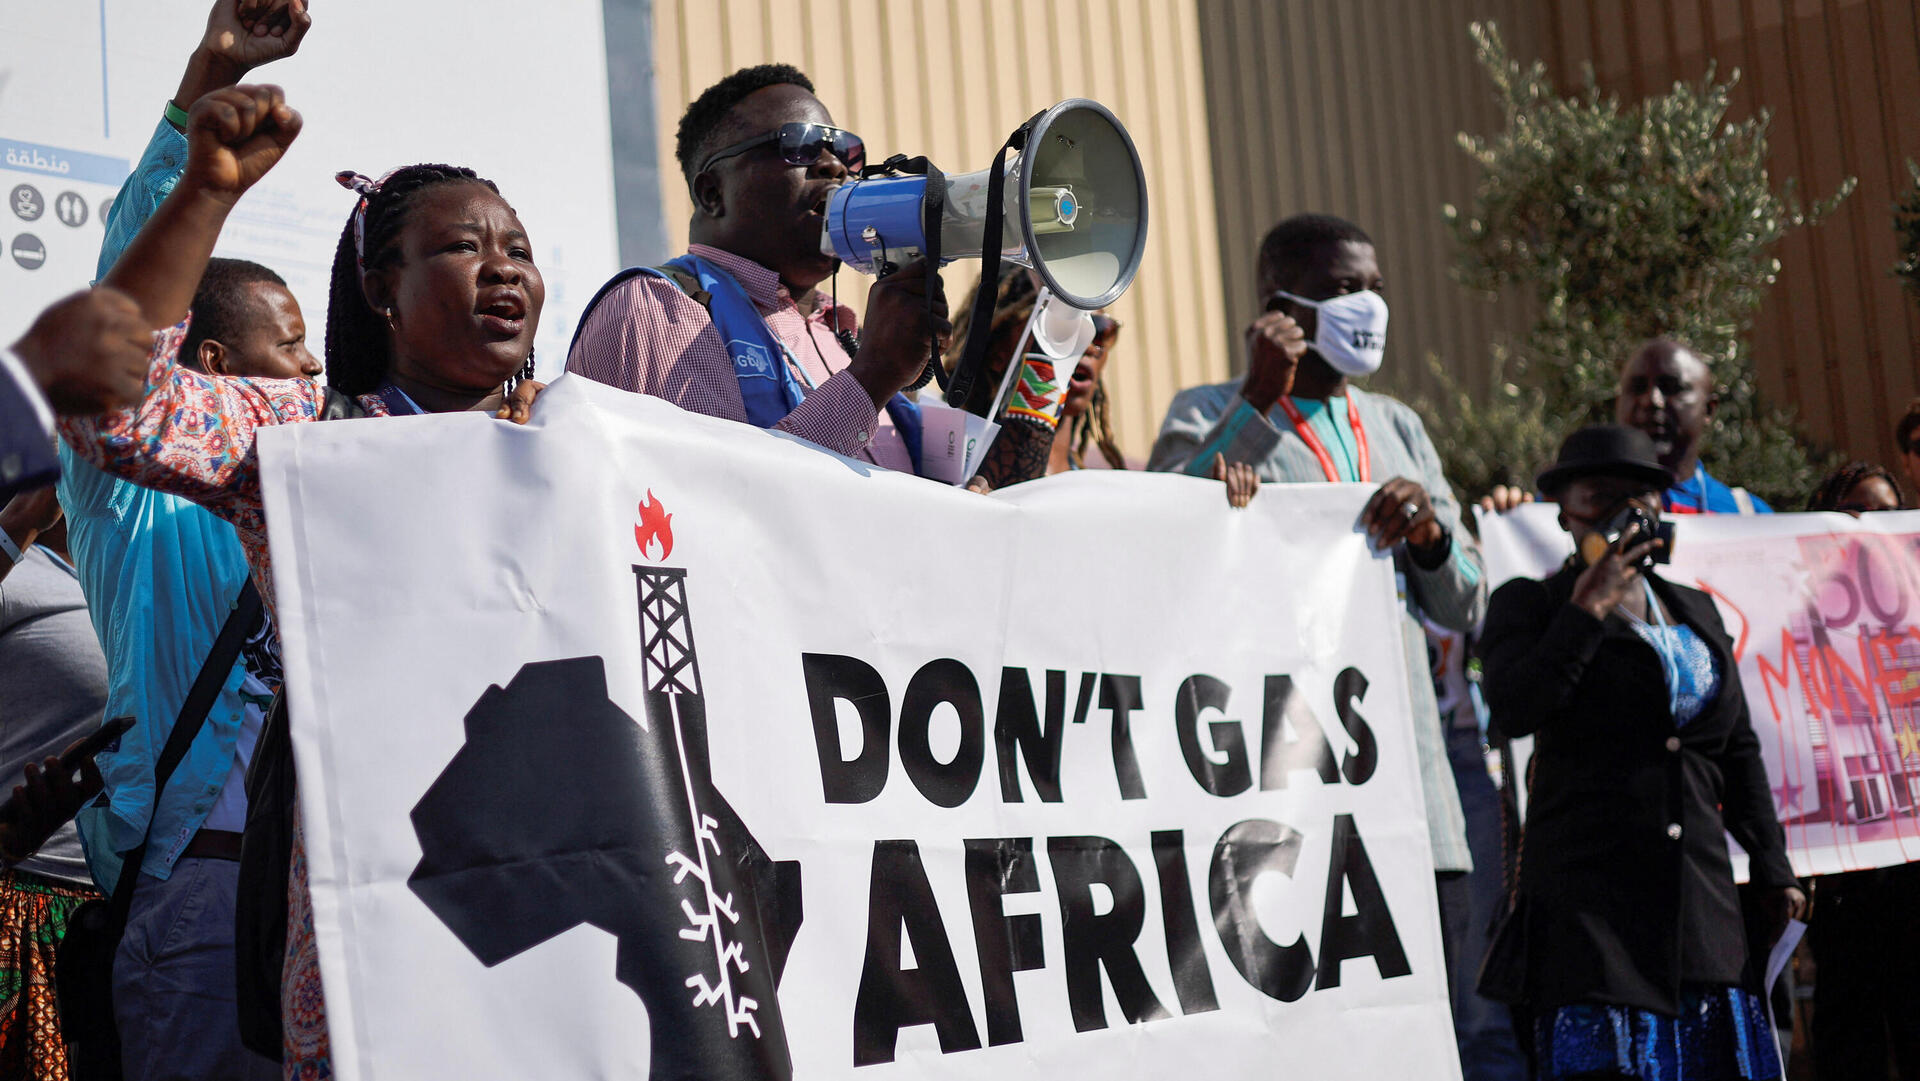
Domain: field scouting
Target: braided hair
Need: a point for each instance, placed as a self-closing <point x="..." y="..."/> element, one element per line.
<point x="1095" y="427"/>
<point x="1013" y="300"/>
<point x="1834" y="490"/>
<point x="359" y="356"/>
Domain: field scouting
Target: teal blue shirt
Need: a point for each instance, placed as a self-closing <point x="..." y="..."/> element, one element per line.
<point x="160" y="575"/>
<point x="1335" y="430"/>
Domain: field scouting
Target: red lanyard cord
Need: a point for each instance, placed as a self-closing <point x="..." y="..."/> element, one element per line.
<point x="1312" y="439"/>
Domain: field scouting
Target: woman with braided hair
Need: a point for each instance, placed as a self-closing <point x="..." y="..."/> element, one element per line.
<point x="1857" y="488"/>
<point x="434" y="307"/>
<point x="1083" y="421"/>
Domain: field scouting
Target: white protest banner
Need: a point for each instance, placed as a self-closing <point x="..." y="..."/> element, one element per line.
<point x="606" y="724"/>
<point x="82" y="86"/>
<point x="1824" y="610"/>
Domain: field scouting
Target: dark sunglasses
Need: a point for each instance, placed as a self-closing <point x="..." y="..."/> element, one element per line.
<point x="800" y="144"/>
<point x="1105" y="327"/>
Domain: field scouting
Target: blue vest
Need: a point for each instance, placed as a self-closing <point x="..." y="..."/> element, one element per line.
<point x="761" y="363"/>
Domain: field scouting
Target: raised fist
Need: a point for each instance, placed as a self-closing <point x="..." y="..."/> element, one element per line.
<point x="1275" y="344"/>
<point x="244" y="34"/>
<point x="234" y="136"/>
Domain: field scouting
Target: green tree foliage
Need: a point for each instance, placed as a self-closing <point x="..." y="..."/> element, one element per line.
<point x="1906" y="222"/>
<point x="1623" y="223"/>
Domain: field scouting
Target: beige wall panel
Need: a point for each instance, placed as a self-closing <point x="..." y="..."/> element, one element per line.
<point x="1350" y="107"/>
<point x="950" y="79"/>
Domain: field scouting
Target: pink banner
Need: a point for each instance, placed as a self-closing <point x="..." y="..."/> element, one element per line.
<point x="1824" y="611"/>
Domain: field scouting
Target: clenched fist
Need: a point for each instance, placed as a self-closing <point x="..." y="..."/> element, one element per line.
<point x="234" y="136"/>
<point x="1275" y="344"/>
<point x="249" y="33"/>
<point x="89" y="352"/>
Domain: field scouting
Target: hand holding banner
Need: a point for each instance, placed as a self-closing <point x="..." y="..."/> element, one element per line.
<point x="742" y="759"/>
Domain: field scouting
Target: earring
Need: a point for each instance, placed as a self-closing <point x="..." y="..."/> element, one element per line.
<point x="388" y="312"/>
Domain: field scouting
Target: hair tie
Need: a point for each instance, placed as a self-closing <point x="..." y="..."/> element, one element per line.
<point x="366" y="187"/>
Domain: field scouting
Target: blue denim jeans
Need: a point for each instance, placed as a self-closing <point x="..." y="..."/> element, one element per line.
<point x="1484" y="1028"/>
<point x="173" y="991"/>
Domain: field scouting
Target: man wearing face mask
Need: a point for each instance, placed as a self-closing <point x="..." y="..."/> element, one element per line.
<point x="1295" y="418"/>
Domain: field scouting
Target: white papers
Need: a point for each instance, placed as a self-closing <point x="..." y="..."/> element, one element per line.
<point x="953" y="442"/>
<point x="1777" y="963"/>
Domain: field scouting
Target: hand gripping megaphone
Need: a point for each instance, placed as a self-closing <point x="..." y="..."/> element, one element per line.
<point x="1071" y="203"/>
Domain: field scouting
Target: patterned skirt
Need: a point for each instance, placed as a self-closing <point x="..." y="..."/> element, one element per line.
<point x="305" y="1051"/>
<point x="33" y="920"/>
<point x="1720" y="1035"/>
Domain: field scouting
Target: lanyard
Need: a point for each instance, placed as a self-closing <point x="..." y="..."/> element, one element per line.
<point x="1699" y="501"/>
<point x="399" y="402"/>
<point x="1663" y="644"/>
<point x="1307" y="435"/>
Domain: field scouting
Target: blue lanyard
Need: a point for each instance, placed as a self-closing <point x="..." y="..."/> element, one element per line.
<point x="1663" y="645"/>
<point x="399" y="402"/>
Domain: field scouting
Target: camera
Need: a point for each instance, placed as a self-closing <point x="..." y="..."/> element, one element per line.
<point x="1594" y="546"/>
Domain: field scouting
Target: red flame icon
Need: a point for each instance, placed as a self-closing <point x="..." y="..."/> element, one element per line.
<point x="656" y="527"/>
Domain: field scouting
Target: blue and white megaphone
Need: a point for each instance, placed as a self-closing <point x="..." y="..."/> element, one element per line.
<point x="1070" y="203"/>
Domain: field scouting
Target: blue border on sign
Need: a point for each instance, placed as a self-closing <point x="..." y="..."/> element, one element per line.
<point x="70" y="164"/>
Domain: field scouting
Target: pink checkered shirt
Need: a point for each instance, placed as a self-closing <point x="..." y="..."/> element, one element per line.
<point x="648" y="337"/>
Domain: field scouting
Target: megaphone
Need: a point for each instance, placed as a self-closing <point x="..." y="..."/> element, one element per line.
<point x="1071" y="204"/>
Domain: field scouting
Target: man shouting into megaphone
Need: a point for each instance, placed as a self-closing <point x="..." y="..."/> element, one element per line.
<point x="738" y="327"/>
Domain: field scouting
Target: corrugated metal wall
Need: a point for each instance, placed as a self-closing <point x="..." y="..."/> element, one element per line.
<point x="950" y="79"/>
<point x="1246" y="111"/>
<point x="1351" y="107"/>
<point x="1836" y="337"/>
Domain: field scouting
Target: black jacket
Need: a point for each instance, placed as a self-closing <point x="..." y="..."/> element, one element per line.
<point x="27" y="458"/>
<point x="1625" y="888"/>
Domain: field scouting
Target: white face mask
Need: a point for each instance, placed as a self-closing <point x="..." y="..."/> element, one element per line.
<point x="1352" y="331"/>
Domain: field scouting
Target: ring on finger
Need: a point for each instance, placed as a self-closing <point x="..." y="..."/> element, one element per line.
<point x="1411" y="508"/>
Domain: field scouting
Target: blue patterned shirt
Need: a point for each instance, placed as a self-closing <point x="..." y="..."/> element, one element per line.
<point x="160" y="575"/>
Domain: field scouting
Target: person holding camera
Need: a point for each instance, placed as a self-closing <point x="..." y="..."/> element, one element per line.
<point x="1623" y="950"/>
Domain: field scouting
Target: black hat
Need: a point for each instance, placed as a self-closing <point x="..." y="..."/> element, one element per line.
<point x="1613" y="450"/>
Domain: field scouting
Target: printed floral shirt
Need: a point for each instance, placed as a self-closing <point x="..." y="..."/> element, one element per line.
<point x="194" y="435"/>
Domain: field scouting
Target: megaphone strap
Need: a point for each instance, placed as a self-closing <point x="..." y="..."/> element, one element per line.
<point x="932" y="207"/>
<point x="980" y="321"/>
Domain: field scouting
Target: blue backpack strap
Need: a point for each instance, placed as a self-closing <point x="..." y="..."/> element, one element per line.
<point x="902" y="409"/>
<point x="671" y="271"/>
<point x="906" y="417"/>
